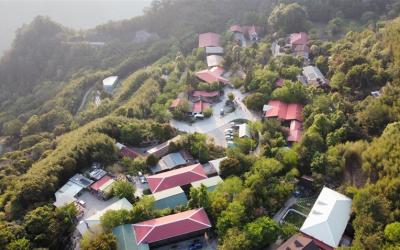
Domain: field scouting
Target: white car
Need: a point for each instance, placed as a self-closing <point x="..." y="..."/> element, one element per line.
<point x="82" y="203"/>
<point x="199" y="116"/>
<point x="229" y="130"/>
<point x="228" y="137"/>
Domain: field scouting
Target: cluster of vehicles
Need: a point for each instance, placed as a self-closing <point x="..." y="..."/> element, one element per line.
<point x="230" y="132"/>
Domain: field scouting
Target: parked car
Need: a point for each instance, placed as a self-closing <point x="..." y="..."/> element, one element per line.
<point x="199" y="116"/>
<point x="228" y="130"/>
<point x="222" y="112"/>
<point x="228" y="137"/>
<point x="142" y="179"/>
<point x="82" y="203"/>
<point x="234" y="125"/>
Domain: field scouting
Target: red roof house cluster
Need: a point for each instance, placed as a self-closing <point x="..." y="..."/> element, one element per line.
<point x="250" y="31"/>
<point x="284" y="111"/>
<point x="175" y="178"/>
<point x="209" y="40"/>
<point x="299" y="39"/>
<point x="171" y="226"/>
<point x="291" y="112"/>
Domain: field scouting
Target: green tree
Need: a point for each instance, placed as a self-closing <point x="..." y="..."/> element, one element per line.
<point x="288" y="18"/>
<point x="234" y="239"/>
<point x="262" y="232"/>
<point x="199" y="198"/>
<point x="231" y="166"/>
<point x="103" y="241"/>
<point x="114" y="218"/>
<point x="20" y="244"/>
<point x="234" y="216"/>
<point x="392" y="232"/>
<point x="255" y="101"/>
<point x="124" y="189"/>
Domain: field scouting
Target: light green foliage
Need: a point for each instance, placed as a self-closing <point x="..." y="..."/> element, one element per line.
<point x="124" y="189"/>
<point x="262" y="232"/>
<point x="100" y="241"/>
<point x="291" y="93"/>
<point x="20" y="244"/>
<point x="392" y="232"/>
<point x="199" y="198"/>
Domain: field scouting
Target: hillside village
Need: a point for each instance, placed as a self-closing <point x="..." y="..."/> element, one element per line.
<point x="322" y="222"/>
<point x="209" y="131"/>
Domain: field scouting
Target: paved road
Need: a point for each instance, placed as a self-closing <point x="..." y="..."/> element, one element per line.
<point x="84" y="99"/>
<point x="215" y="125"/>
<point x="290" y="202"/>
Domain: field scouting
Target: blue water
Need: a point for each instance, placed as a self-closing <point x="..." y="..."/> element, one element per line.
<point x="75" y="14"/>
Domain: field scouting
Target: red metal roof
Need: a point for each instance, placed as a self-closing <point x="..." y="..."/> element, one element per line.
<point x="236" y="28"/>
<point x="175" y="178"/>
<point x="210" y="76"/>
<point x="299" y="38"/>
<point x="171" y="226"/>
<point x="199" y="93"/>
<point x="97" y="185"/>
<point x="175" y="103"/>
<point x="127" y="152"/>
<point x="284" y="111"/>
<point x="209" y="40"/>
<point x="200" y="106"/>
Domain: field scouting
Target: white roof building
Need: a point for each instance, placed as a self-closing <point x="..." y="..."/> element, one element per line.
<point x="244" y="131"/>
<point x="314" y="76"/>
<point x="66" y="194"/>
<point x="214" y="61"/>
<point x="214" y="50"/>
<point x="93" y="221"/>
<point x="110" y="81"/>
<point x="216" y="163"/>
<point x="328" y="217"/>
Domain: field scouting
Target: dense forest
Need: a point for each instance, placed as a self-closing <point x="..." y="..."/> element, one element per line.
<point x="349" y="138"/>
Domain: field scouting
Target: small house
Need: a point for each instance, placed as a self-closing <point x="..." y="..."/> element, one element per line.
<point x="168" y="162"/>
<point x="314" y="76"/>
<point x="244" y="131"/>
<point x="210" y="183"/>
<point x="209" y="40"/>
<point x="162" y="149"/>
<point x="170" y="198"/>
<point x="110" y="83"/>
<point x="214" y="50"/>
<point x="91" y="223"/>
<point x="103" y="187"/>
<point x="162" y="231"/>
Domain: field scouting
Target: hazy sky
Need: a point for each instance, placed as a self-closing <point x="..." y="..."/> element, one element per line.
<point x="71" y="13"/>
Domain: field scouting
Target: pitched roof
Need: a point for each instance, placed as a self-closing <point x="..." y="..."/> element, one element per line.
<point x="94" y="220"/>
<point x="244" y="130"/>
<point x="284" y="111"/>
<point x="214" y="50"/>
<point x="126" y="239"/>
<point x="299" y="38"/>
<point x="171" y="226"/>
<point x="127" y="152"/>
<point x="200" y="106"/>
<point x="170" y="198"/>
<point x="200" y="93"/>
<point x="212" y="75"/>
<point x="210" y="183"/>
<point x="236" y="28"/>
<point x="170" y="161"/>
<point x="175" y="103"/>
<point x="312" y="73"/>
<point x="209" y="40"/>
<point x="175" y="178"/>
<point x="214" y="60"/>
<point x="110" y="81"/>
<point x="163" y="147"/>
<point x="328" y="218"/>
<point x="98" y="184"/>
<point x="66" y="194"/>
<point x="299" y="242"/>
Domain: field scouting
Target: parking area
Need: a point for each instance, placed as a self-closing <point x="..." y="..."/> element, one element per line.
<point x="140" y="187"/>
<point x="200" y="243"/>
<point x="216" y="124"/>
<point x="94" y="204"/>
